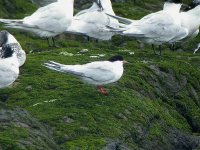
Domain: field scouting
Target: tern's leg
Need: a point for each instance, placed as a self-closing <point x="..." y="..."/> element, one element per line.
<point x="153" y="47"/>
<point x="172" y="46"/>
<point x="88" y="38"/>
<point x="160" y="49"/>
<point x="54" y="42"/>
<point x="102" y="90"/>
<point x="48" y="41"/>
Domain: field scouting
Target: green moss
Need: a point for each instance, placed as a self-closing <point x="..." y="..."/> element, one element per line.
<point x="85" y="143"/>
<point x="16" y="9"/>
<point x="10" y="137"/>
<point x="7" y="144"/>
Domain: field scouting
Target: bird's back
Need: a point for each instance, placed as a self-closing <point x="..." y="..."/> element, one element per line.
<point x="9" y="71"/>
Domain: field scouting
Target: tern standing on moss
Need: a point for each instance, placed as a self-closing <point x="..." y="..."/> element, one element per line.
<point x="96" y="73"/>
<point x="156" y="28"/>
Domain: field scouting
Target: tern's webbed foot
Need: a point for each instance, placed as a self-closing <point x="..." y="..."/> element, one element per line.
<point x="102" y="91"/>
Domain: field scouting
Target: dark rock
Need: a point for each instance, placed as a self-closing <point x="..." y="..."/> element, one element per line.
<point x="183" y="141"/>
<point x="4" y="97"/>
<point x="180" y="90"/>
<point x="115" y="145"/>
<point x="67" y="120"/>
<point x="29" y="88"/>
<point x="179" y="50"/>
<point x="37" y="136"/>
<point x="172" y="139"/>
<point x="121" y="116"/>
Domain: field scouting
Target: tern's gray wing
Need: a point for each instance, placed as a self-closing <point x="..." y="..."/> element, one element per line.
<point x="96" y="75"/>
<point x="98" y="72"/>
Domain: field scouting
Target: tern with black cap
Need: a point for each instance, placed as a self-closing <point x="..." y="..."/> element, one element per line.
<point x="96" y="73"/>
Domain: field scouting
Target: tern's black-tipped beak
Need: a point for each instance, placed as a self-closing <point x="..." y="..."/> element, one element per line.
<point x="125" y="62"/>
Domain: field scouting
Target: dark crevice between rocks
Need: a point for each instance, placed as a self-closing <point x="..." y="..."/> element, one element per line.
<point x="4" y="97"/>
<point x="181" y="108"/>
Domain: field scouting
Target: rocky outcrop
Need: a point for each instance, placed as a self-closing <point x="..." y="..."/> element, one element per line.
<point x="27" y="131"/>
<point x="180" y="90"/>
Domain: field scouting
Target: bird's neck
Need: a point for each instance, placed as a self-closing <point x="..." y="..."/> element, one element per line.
<point x="118" y="63"/>
<point x="118" y="68"/>
<point x="107" y="6"/>
<point x="190" y="20"/>
<point x="67" y="6"/>
<point x="195" y="12"/>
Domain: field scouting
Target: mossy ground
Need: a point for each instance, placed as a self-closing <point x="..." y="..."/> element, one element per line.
<point x="82" y="118"/>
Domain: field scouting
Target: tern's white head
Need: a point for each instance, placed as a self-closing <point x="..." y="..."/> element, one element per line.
<point x="195" y="11"/>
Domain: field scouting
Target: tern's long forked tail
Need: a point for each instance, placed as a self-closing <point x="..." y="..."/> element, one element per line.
<point x="54" y="66"/>
<point x="121" y="19"/>
<point x="115" y="30"/>
<point x="17" y="24"/>
<point x="10" y="21"/>
<point x="71" y="69"/>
